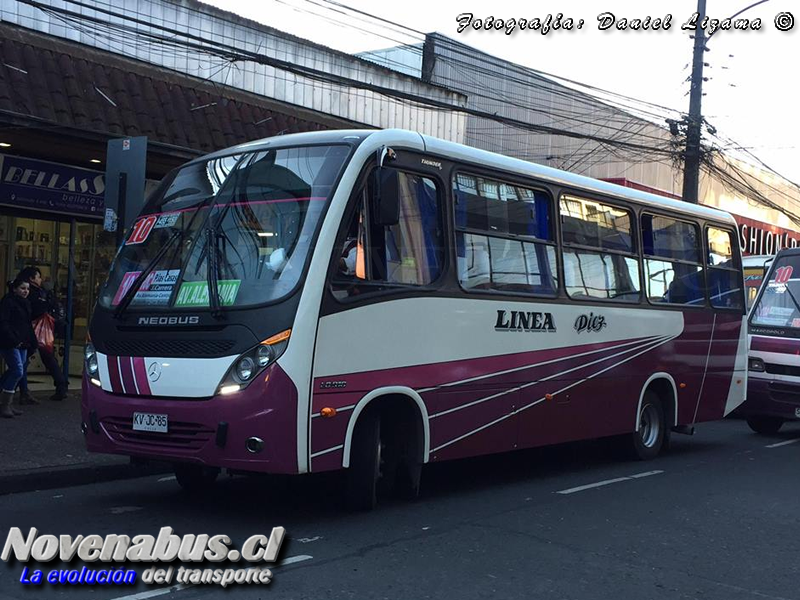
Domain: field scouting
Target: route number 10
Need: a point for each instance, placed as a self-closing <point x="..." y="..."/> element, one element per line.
<point x="142" y="229"/>
<point x="782" y="274"/>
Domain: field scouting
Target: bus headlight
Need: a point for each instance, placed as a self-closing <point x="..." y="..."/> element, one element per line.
<point x="756" y="364"/>
<point x="264" y="355"/>
<point x="90" y="358"/>
<point x="246" y="368"/>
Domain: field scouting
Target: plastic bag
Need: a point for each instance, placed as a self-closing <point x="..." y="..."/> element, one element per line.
<point x="44" y="328"/>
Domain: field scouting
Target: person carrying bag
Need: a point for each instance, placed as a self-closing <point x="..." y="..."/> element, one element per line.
<point x="43" y="306"/>
<point x="17" y="339"/>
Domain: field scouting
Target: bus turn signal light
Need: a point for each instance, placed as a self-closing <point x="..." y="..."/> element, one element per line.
<point x="548" y="396"/>
<point x="683" y="385"/>
<point x="328" y="412"/>
<point x="277" y="338"/>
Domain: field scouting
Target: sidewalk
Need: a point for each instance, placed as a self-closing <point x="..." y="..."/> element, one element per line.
<point x="44" y="447"/>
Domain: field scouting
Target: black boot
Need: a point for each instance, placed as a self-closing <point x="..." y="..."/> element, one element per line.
<point x="26" y="398"/>
<point x="5" y="404"/>
<point x="61" y="393"/>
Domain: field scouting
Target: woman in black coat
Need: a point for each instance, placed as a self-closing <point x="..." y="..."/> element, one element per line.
<point x="17" y="339"/>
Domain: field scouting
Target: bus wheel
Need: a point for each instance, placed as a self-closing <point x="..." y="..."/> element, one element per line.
<point x="765" y="425"/>
<point x="646" y="443"/>
<point x="361" y="477"/>
<point x="195" y="478"/>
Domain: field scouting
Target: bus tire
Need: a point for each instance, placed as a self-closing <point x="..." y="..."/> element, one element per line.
<point x="364" y="472"/>
<point x="765" y="425"/>
<point x="648" y="440"/>
<point x="195" y="478"/>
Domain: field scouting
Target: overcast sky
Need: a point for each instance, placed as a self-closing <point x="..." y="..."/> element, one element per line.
<point x="751" y="95"/>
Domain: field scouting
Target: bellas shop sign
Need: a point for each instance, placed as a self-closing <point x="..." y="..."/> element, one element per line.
<point x="46" y="186"/>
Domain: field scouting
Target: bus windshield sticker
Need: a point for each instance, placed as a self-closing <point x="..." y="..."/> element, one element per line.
<point x="155" y="290"/>
<point x="166" y="220"/>
<point x="195" y="293"/>
<point x="141" y="230"/>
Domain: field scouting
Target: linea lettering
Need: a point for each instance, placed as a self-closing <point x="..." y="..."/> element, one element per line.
<point x="517" y="320"/>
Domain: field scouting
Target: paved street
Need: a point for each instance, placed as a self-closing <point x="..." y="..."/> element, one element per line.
<point x="714" y="519"/>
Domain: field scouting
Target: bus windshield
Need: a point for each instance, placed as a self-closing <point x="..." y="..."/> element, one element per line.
<point x="779" y="304"/>
<point x="246" y="220"/>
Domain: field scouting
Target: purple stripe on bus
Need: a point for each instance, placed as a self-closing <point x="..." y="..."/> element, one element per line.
<point x="126" y="369"/>
<point x="777" y="345"/>
<point x="113" y="374"/>
<point x="276" y="201"/>
<point x="140" y="374"/>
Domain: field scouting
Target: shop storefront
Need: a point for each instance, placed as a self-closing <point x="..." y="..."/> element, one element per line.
<point x="45" y="208"/>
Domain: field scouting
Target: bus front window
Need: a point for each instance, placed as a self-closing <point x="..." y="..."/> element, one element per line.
<point x="779" y="303"/>
<point x="248" y="220"/>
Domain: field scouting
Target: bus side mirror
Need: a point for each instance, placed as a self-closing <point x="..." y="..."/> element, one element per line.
<point x="386" y="197"/>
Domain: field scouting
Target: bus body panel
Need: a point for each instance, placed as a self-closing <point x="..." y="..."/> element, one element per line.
<point x="486" y="388"/>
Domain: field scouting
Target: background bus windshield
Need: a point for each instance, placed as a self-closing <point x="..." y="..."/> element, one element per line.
<point x="249" y="218"/>
<point x="778" y="305"/>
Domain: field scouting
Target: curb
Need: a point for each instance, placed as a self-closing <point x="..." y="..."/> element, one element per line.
<point x="32" y="480"/>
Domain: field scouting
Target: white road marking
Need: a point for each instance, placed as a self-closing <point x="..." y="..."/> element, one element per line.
<point x="786" y="443"/>
<point x="118" y="510"/>
<point x="170" y="478"/>
<point x="183" y="586"/>
<point x="153" y="593"/>
<point x="590" y="486"/>
<point x="646" y="474"/>
<point x="294" y="559"/>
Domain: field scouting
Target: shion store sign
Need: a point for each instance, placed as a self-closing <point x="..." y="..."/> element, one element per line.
<point x="761" y="238"/>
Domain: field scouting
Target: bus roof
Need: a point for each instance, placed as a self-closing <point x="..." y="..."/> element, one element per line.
<point x="453" y="150"/>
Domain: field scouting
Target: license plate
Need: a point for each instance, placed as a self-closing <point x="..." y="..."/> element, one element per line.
<point x="150" y="422"/>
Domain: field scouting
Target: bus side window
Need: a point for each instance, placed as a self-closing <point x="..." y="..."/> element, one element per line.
<point x="377" y="257"/>
<point x="673" y="261"/>
<point x="724" y="270"/>
<point x="600" y="259"/>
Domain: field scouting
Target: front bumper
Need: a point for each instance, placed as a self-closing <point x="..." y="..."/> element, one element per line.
<point x="771" y="398"/>
<point x="211" y="432"/>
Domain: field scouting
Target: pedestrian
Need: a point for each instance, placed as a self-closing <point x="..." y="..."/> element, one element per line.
<point x="42" y="304"/>
<point x="17" y="339"/>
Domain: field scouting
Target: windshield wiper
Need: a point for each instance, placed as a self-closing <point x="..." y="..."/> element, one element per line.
<point x="212" y="271"/>
<point x="131" y="293"/>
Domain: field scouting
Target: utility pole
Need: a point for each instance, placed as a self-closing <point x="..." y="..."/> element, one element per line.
<point x="691" y="157"/>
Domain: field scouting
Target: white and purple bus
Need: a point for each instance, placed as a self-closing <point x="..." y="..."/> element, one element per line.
<point x="376" y="300"/>
<point x="773" y="391"/>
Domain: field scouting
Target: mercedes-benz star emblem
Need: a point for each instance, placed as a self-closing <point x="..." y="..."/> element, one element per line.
<point x="154" y="371"/>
